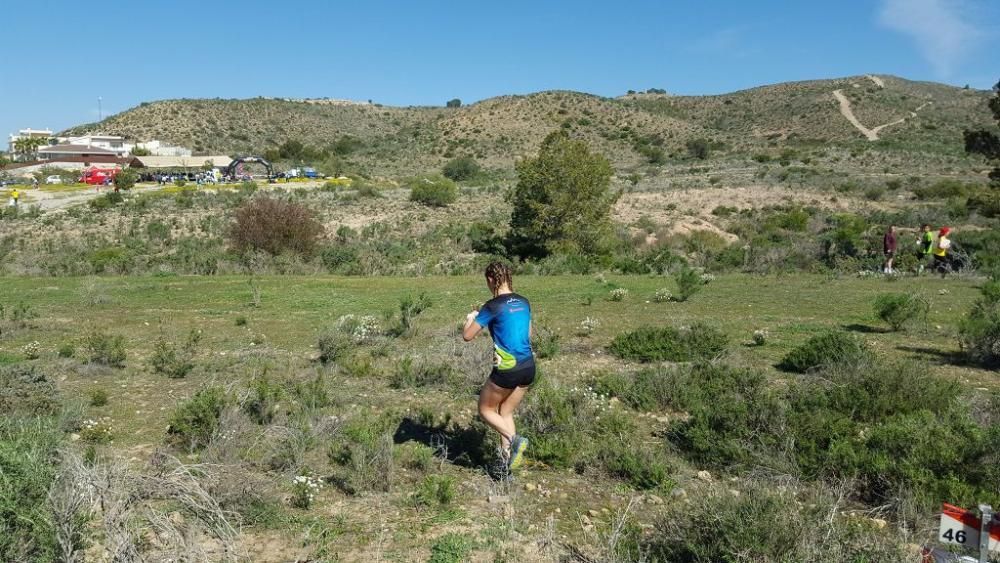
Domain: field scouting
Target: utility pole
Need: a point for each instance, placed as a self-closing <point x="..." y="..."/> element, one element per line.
<point x="100" y="113"/>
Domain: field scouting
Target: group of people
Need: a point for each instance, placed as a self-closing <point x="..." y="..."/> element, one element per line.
<point x="933" y="252"/>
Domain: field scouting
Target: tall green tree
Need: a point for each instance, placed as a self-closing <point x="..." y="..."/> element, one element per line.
<point x="27" y="147"/>
<point x="562" y="201"/>
<point x="987" y="143"/>
<point x="125" y="179"/>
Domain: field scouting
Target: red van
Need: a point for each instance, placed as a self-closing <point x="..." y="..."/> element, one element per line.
<point x="99" y="176"/>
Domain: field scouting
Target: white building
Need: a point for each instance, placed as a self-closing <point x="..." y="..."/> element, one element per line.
<point x="159" y="148"/>
<point x="27" y="134"/>
<point x="112" y="143"/>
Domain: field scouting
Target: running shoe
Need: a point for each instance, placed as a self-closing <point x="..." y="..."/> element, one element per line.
<point x="517" y="446"/>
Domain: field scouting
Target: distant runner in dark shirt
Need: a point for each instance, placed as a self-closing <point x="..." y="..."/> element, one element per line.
<point x="889" y="249"/>
<point x="508" y="318"/>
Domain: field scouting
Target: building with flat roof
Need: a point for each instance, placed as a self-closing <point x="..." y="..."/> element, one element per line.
<point x="58" y="152"/>
<point x="178" y="163"/>
<point x="44" y="134"/>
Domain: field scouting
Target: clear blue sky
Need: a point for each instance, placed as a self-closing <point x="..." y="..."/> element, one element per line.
<point x="62" y="54"/>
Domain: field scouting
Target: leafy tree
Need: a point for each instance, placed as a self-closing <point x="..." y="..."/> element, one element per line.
<point x="126" y="179"/>
<point x="562" y="201"/>
<point x="140" y="151"/>
<point x="461" y="168"/>
<point x="985" y="142"/>
<point x="454" y="103"/>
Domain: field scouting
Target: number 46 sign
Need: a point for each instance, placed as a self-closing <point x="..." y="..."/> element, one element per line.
<point x="962" y="527"/>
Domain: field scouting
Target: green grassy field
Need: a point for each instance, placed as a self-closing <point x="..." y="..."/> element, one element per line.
<point x="242" y="340"/>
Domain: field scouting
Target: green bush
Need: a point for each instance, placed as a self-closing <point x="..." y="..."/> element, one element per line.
<point x="25" y="391"/>
<point x="640" y="467"/>
<point x="263" y="400"/>
<point x="334" y="345"/>
<point x="734" y="416"/>
<point x="650" y="344"/>
<point x="435" y="491"/>
<point x="689" y="282"/>
<point x="556" y="420"/>
<point x="451" y="547"/>
<point x="545" y="343"/>
<point x="895" y="432"/>
<point x="105" y="349"/>
<point x="898" y="309"/>
<point x="979" y="331"/>
<point x="175" y="361"/>
<point x="409" y="309"/>
<point x="194" y="421"/>
<point x="274" y="226"/>
<point x="98" y="398"/>
<point x="824" y="350"/>
<point x="29" y="451"/>
<point x="409" y="373"/>
<point x="768" y="522"/>
<point x="433" y="191"/>
<point x="461" y="168"/>
<point x="364" y="449"/>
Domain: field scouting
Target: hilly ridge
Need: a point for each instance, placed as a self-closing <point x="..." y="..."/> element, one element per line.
<point x="401" y="140"/>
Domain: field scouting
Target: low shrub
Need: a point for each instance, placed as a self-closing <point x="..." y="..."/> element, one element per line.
<point x="194" y="421"/>
<point x="545" y="342"/>
<point x="433" y="191"/>
<point x="556" y="421"/>
<point x="899" y="309"/>
<point x="29" y="450"/>
<point x="409" y="308"/>
<point x="105" y="349"/>
<point x="650" y="344"/>
<point x="461" y="168"/>
<point x="66" y="350"/>
<point x="768" y="522"/>
<point x="25" y="391"/>
<point x="618" y="294"/>
<point x="450" y="548"/>
<point x="274" y="226"/>
<point x="826" y="349"/>
<point x="312" y="394"/>
<point x="435" y="491"/>
<point x="364" y="449"/>
<point x="334" y="345"/>
<point x="263" y="400"/>
<point x="175" y="361"/>
<point x="409" y="373"/>
<point x="640" y="467"/>
<point x="98" y="397"/>
<point x="734" y="416"/>
<point x="979" y="330"/>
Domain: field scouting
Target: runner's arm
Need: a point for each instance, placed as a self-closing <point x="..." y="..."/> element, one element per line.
<point x="472" y="328"/>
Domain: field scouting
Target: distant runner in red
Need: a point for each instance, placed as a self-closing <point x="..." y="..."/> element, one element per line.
<point x="889" y="249"/>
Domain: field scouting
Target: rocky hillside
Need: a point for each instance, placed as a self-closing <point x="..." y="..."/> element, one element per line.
<point x="639" y="132"/>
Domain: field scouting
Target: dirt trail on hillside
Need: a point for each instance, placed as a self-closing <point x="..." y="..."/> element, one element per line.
<point x="848" y="113"/>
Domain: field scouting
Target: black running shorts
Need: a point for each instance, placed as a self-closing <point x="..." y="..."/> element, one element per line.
<point x="520" y="376"/>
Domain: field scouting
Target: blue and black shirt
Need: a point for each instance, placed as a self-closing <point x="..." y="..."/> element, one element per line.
<point x="508" y="318"/>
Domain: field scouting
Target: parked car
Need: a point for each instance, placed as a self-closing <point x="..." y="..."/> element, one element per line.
<point x="309" y="172"/>
<point x="54" y="180"/>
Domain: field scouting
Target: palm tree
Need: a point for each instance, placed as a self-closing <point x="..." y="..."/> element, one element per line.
<point x="27" y="147"/>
